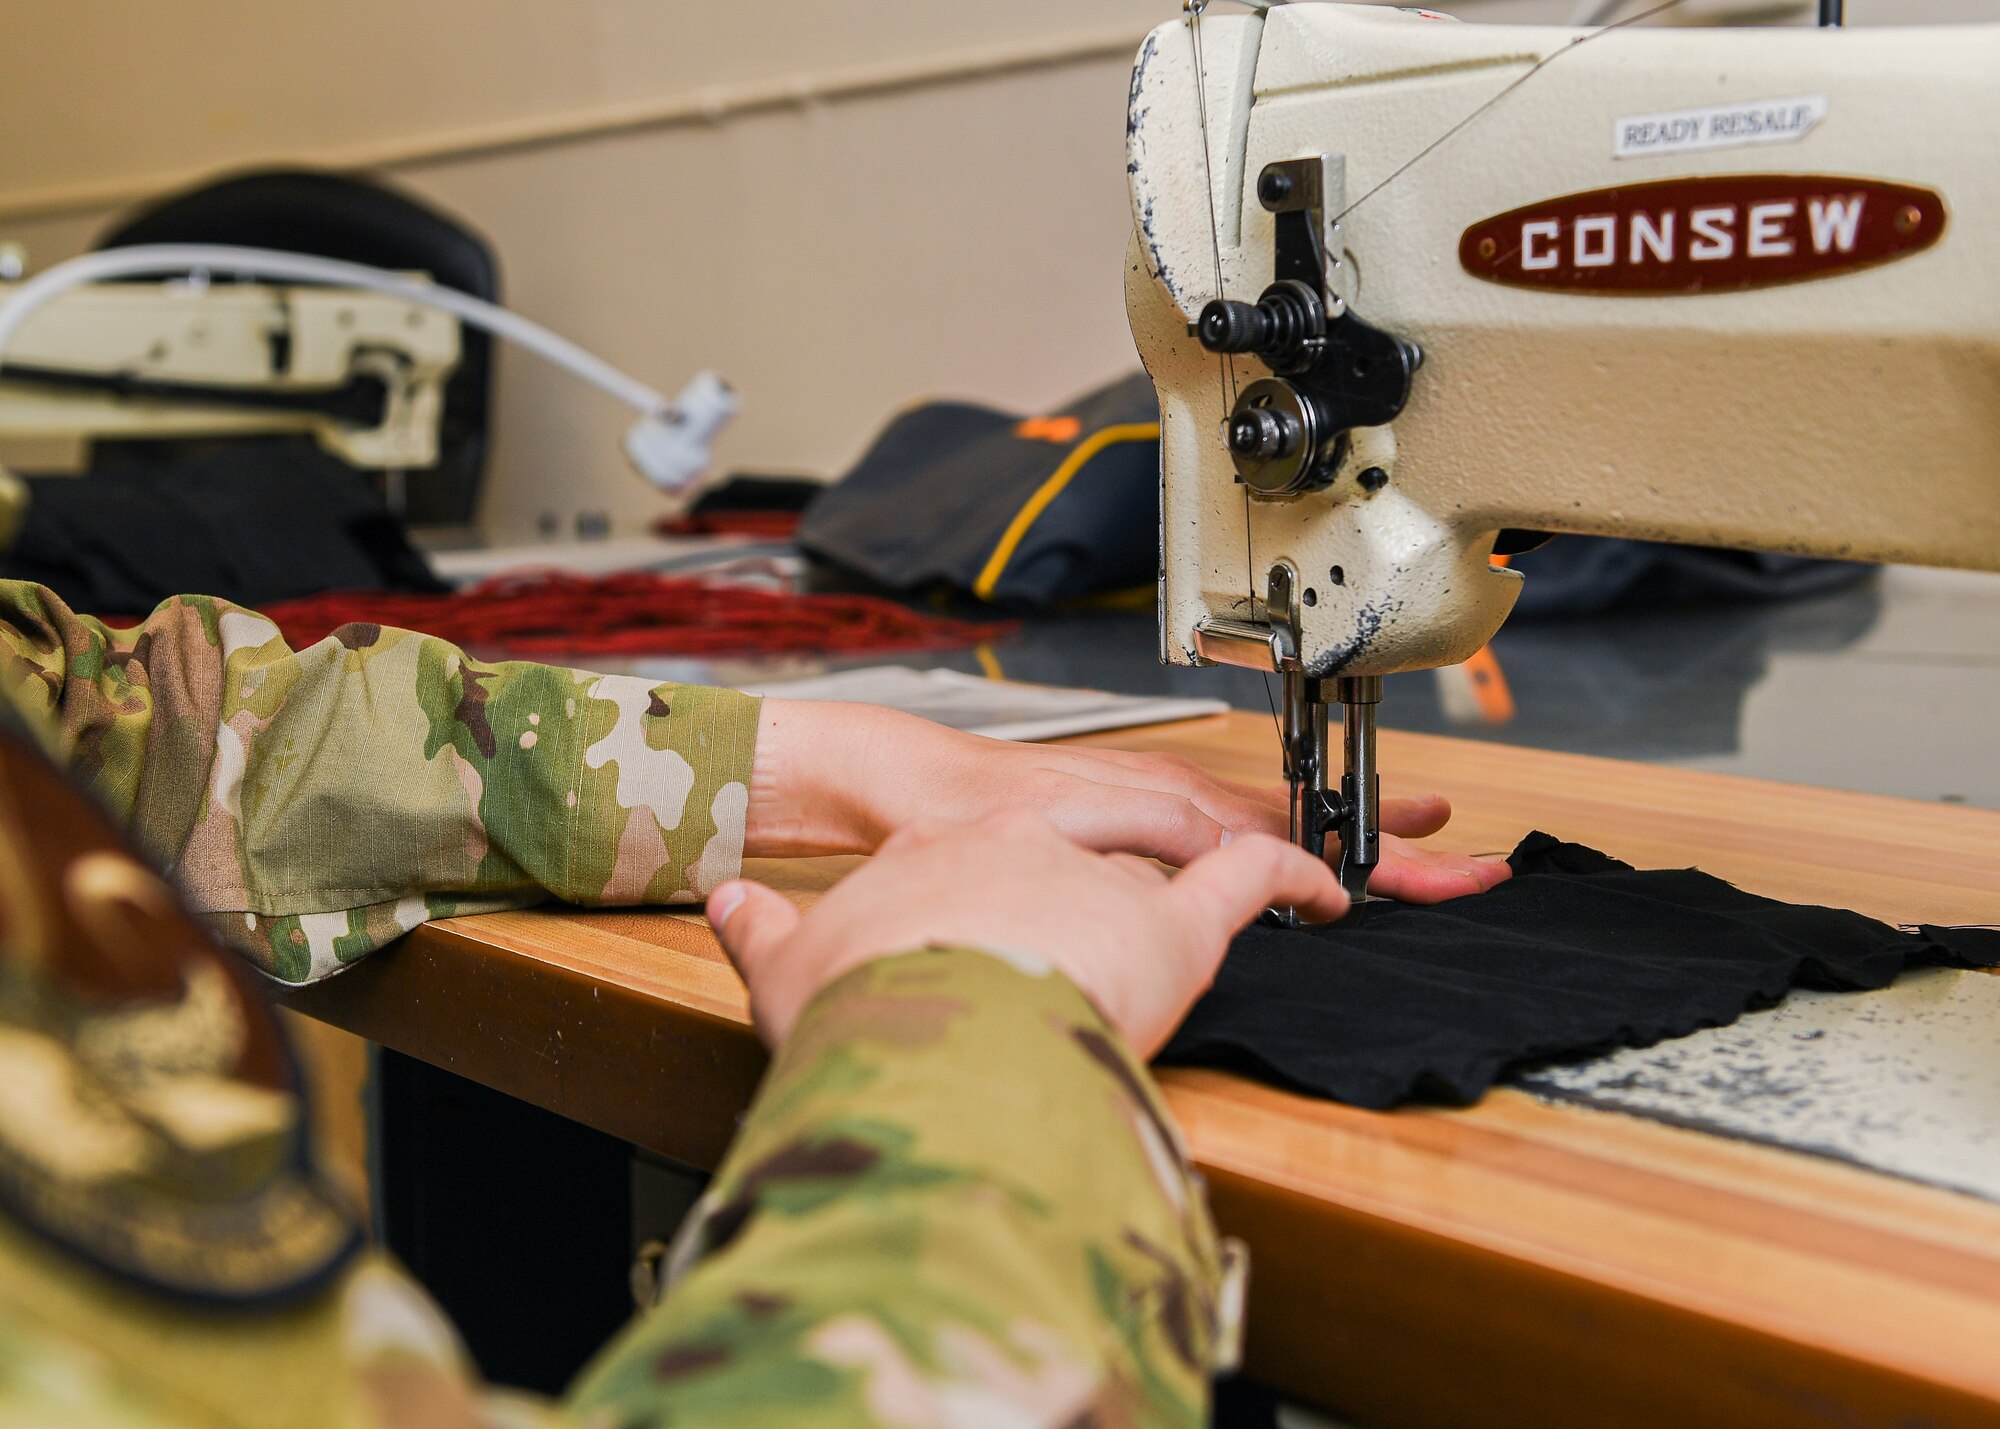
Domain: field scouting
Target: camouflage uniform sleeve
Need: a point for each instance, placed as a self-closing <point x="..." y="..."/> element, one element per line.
<point x="956" y="1200"/>
<point x="314" y="804"/>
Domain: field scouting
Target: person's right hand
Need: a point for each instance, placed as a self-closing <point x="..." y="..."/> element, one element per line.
<point x="1140" y="944"/>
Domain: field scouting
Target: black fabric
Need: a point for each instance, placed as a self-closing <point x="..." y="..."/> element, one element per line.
<point x="756" y="491"/>
<point x="1576" y="576"/>
<point x="1577" y="954"/>
<point x="252" y="521"/>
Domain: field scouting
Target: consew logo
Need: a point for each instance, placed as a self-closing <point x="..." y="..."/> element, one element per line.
<point x="1704" y="235"/>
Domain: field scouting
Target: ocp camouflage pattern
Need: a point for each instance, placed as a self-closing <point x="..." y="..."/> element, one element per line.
<point x="315" y="804"/>
<point x="957" y="1200"/>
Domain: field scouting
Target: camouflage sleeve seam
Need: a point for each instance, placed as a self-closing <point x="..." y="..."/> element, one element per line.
<point x="318" y="898"/>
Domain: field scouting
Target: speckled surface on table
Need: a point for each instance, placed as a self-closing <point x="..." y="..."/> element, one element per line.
<point x="1905" y="1080"/>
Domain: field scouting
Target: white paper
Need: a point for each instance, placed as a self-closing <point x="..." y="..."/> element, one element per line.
<point x="1002" y="709"/>
<point x="675" y="555"/>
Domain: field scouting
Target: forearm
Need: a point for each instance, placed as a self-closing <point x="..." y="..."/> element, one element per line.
<point x="956" y="1189"/>
<point x="316" y="803"/>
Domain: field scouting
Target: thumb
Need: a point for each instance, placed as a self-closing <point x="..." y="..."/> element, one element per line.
<point x="751" y="921"/>
<point x="1220" y="892"/>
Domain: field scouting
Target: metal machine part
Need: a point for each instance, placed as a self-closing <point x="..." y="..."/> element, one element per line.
<point x="1360" y="815"/>
<point x="1608" y="248"/>
<point x="1350" y="811"/>
<point x="1287" y="434"/>
<point x="1332" y="372"/>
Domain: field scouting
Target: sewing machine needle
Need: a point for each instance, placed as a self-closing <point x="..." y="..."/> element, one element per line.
<point x="1360" y="788"/>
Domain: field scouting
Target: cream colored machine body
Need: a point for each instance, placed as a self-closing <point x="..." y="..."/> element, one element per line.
<point x="364" y="373"/>
<point x="1729" y="287"/>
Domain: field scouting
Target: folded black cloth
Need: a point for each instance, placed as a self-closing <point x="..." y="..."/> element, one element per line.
<point x="1577" y="954"/>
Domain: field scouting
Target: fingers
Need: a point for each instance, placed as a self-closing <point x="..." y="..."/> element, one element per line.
<point x="1220" y="893"/>
<point x="1112" y="819"/>
<point x="1415" y="818"/>
<point x="1174" y="771"/>
<point x="751" y="922"/>
<point x="918" y="833"/>
<point x="1237" y="807"/>
<point x="1421" y="875"/>
<point x="1145" y="870"/>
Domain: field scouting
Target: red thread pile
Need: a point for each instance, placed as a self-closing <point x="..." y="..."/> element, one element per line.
<point x="554" y="613"/>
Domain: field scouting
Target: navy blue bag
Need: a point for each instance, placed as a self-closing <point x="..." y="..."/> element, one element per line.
<point x="1027" y="513"/>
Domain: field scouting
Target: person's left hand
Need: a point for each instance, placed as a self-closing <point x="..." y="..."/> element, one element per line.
<point x="1140" y="945"/>
<point x="840" y="778"/>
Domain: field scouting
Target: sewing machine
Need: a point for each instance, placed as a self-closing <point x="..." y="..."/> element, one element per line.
<point x="364" y="373"/>
<point x="1416" y="292"/>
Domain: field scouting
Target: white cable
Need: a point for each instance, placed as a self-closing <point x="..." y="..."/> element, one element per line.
<point x="1588" y="14"/>
<point x="667" y="439"/>
<point x="271" y="265"/>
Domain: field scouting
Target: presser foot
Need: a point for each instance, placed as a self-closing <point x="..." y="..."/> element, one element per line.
<point x="1354" y="875"/>
<point x="1353" y="879"/>
<point x="1350" y="812"/>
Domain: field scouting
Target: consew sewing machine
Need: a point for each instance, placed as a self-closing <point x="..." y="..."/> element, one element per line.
<point x="363" y="372"/>
<point x="1415" y="291"/>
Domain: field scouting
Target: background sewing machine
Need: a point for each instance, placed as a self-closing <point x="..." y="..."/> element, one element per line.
<point x="363" y="373"/>
<point x="359" y="357"/>
<point x="1414" y="292"/>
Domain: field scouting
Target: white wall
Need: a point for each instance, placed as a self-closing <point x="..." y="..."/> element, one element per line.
<point x="948" y="218"/>
<point x="103" y="94"/>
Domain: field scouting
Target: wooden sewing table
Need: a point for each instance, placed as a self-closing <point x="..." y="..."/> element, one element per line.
<point x="1515" y="1263"/>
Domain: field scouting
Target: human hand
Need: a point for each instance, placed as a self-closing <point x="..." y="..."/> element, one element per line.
<point x="1140" y="944"/>
<point x="840" y="778"/>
